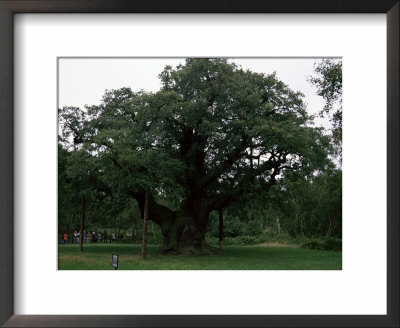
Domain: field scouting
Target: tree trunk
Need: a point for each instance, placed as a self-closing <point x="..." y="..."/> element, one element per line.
<point x="187" y="235"/>
<point x="328" y="233"/>
<point x="145" y="217"/>
<point x="184" y="230"/>
<point x="70" y="224"/>
<point x="133" y="228"/>
<point x="221" y="228"/>
<point x="278" y="227"/>
<point x="301" y="227"/>
<point x="152" y="230"/>
<point x="82" y="223"/>
<point x="115" y="230"/>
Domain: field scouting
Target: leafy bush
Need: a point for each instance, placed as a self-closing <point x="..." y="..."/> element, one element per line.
<point x="252" y="228"/>
<point x="246" y="240"/>
<point x="235" y="241"/>
<point x="232" y="226"/>
<point x="332" y="244"/>
<point x="268" y="234"/>
<point x="211" y="240"/>
<point x="329" y="244"/>
<point x="311" y="245"/>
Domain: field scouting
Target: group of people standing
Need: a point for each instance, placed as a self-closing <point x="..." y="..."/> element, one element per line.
<point x="88" y="237"/>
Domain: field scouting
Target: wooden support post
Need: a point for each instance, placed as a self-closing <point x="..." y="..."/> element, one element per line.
<point x="82" y="223"/>
<point x="145" y="217"/>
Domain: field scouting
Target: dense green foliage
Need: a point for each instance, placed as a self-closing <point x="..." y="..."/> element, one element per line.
<point x="215" y="137"/>
<point x="328" y="81"/>
<point x="329" y="244"/>
<point x="98" y="257"/>
<point x="297" y="206"/>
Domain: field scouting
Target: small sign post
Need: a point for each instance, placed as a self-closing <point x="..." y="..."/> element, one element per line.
<point x="114" y="261"/>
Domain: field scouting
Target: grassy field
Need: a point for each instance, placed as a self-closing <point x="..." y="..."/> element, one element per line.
<point x="98" y="257"/>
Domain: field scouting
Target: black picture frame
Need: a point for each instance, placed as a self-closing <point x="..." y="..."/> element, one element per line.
<point x="7" y="10"/>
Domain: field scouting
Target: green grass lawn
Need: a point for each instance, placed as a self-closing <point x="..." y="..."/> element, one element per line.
<point x="98" y="257"/>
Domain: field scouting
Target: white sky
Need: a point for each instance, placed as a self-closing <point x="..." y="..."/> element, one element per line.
<point x="82" y="81"/>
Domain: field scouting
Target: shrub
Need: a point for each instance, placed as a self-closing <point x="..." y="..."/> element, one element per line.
<point x="311" y="245"/>
<point x="244" y="240"/>
<point x="235" y="241"/>
<point x="332" y="244"/>
<point x="252" y="228"/>
<point x="329" y="244"/>
<point x="233" y="227"/>
<point x="270" y="235"/>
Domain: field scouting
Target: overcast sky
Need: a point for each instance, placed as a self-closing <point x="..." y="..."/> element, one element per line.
<point x="82" y="81"/>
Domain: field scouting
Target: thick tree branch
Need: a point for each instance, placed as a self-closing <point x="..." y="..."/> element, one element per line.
<point x="231" y="158"/>
<point x="234" y="194"/>
<point x="159" y="214"/>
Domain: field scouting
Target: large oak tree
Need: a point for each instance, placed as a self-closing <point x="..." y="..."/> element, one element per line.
<point x="212" y="134"/>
